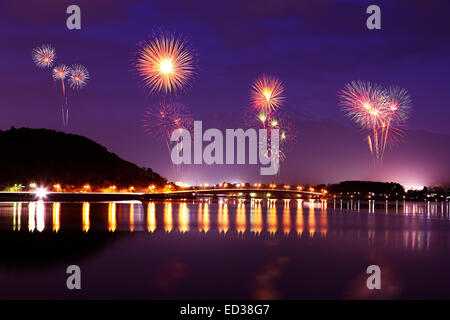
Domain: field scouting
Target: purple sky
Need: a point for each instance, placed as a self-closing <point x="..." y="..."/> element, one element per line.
<point x="315" y="47"/>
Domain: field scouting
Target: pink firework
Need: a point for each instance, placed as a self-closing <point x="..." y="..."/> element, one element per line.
<point x="267" y="93"/>
<point x="166" y="117"/>
<point x="44" y="56"/>
<point x="78" y="76"/>
<point x="397" y="110"/>
<point x="382" y="112"/>
<point x="364" y="102"/>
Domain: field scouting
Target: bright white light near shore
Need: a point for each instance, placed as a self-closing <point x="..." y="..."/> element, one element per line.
<point x="41" y="193"/>
<point x="414" y="188"/>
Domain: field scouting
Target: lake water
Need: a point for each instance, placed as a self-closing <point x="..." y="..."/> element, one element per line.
<point x="228" y="250"/>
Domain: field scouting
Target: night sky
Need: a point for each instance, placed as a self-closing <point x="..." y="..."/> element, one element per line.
<point x="315" y="47"/>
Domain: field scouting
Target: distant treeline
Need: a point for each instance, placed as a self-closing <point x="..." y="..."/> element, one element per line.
<point x="46" y="156"/>
<point x="364" y="187"/>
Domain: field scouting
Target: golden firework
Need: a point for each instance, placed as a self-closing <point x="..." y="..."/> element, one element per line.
<point x="166" y="63"/>
<point x="267" y="93"/>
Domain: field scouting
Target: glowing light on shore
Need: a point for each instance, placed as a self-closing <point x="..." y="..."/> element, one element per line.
<point x="41" y="193"/>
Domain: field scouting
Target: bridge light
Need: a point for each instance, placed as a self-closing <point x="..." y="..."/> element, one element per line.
<point x="57" y="187"/>
<point x="311" y="189"/>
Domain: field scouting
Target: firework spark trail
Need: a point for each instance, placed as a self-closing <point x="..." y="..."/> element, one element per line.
<point x="44" y="56"/>
<point x="398" y="105"/>
<point x="166" y="63"/>
<point x="267" y="93"/>
<point x="279" y="119"/>
<point x="161" y="120"/>
<point x="60" y="72"/>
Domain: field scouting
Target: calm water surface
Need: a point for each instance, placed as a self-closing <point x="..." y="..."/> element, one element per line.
<point x="227" y="250"/>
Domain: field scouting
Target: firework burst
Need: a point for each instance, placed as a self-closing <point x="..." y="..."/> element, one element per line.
<point x="166" y="63"/>
<point x="78" y="77"/>
<point x="398" y="105"/>
<point x="380" y="111"/>
<point x="267" y="93"/>
<point x="44" y="56"/>
<point x="60" y="72"/>
<point x="162" y="119"/>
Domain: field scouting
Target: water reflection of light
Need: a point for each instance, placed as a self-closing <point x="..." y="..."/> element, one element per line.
<point x="168" y="221"/>
<point x="286" y="219"/>
<point x="222" y="217"/>
<point x="241" y="221"/>
<point x="299" y="219"/>
<point x="200" y="217"/>
<point x="256" y="219"/>
<point x="56" y="213"/>
<point x="17" y="210"/>
<point x="272" y="220"/>
<point x="112" y="222"/>
<point x="151" y="217"/>
<point x="311" y="218"/>
<point x="323" y="219"/>
<point x="85" y="218"/>
<point x="206" y="217"/>
<point x="40" y="216"/>
<point x="131" y="217"/>
<point x="31" y="216"/>
<point x="183" y="217"/>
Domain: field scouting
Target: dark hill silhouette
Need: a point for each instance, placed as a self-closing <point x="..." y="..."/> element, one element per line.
<point x="48" y="156"/>
<point x="367" y="186"/>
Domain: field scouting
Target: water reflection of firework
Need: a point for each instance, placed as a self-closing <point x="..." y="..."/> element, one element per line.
<point x="166" y="63"/>
<point x="381" y="112"/>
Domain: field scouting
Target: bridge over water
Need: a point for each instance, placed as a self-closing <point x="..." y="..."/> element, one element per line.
<point x="175" y="194"/>
<point x="237" y="193"/>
